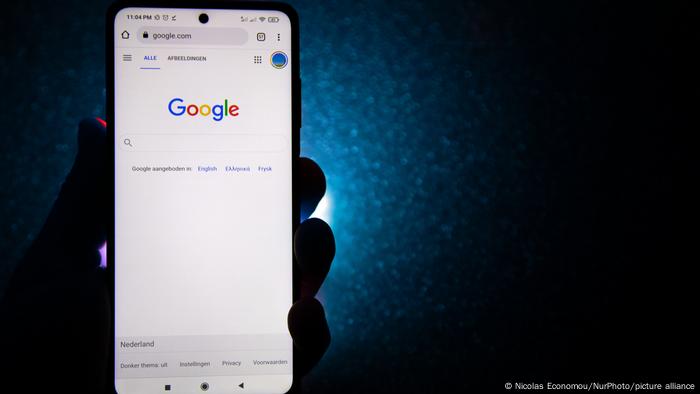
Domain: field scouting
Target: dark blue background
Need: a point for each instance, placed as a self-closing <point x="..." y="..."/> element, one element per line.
<point x="500" y="180"/>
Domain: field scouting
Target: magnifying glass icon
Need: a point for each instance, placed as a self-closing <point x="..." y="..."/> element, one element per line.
<point x="127" y="142"/>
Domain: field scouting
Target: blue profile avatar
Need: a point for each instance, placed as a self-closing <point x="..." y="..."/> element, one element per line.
<point x="278" y="59"/>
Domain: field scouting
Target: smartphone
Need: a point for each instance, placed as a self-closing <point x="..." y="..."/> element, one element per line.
<point x="204" y="117"/>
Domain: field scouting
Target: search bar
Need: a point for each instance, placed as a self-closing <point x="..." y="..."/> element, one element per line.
<point x="192" y="35"/>
<point x="201" y="143"/>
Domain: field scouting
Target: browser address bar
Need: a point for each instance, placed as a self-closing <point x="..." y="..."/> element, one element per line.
<point x="201" y="143"/>
<point x="192" y="35"/>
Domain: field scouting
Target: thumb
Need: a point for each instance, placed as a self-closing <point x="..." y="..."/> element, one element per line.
<point x="75" y="227"/>
<point x="56" y="295"/>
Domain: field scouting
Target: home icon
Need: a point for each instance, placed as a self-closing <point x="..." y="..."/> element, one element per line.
<point x="125" y="35"/>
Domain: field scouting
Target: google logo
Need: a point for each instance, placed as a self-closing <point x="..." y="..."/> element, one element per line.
<point x="218" y="112"/>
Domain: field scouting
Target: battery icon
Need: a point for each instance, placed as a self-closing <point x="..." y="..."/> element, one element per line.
<point x="273" y="19"/>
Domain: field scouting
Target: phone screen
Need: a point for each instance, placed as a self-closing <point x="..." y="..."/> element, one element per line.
<point x="203" y="200"/>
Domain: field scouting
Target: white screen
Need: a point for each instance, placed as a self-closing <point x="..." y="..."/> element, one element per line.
<point x="203" y="215"/>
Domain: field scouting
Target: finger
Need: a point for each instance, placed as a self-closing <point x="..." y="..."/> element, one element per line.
<point x="312" y="186"/>
<point x="309" y="328"/>
<point x="75" y="227"/>
<point x="314" y="249"/>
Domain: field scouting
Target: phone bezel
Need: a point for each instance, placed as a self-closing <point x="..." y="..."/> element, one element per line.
<point x="110" y="146"/>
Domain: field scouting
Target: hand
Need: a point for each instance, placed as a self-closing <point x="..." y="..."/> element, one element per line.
<point x="56" y="311"/>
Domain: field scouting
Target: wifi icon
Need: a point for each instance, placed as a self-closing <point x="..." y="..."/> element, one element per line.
<point x="262" y="19"/>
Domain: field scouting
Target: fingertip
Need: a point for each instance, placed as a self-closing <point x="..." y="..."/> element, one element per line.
<point x="309" y="327"/>
<point x="314" y="241"/>
<point x="312" y="185"/>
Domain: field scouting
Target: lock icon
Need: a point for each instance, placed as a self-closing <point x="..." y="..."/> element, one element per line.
<point x="145" y="34"/>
